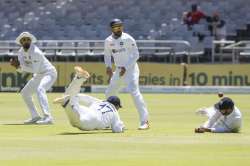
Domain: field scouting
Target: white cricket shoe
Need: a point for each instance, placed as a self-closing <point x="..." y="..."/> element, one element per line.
<point x="32" y="120"/>
<point x="80" y="72"/>
<point x="144" y="126"/>
<point x="45" y="121"/>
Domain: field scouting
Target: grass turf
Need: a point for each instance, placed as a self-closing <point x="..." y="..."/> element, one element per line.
<point x="170" y="141"/>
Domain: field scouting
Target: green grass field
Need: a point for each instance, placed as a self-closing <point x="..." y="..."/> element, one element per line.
<point x="170" y="141"/>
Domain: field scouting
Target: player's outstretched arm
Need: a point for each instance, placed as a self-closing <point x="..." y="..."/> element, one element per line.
<point x="14" y="62"/>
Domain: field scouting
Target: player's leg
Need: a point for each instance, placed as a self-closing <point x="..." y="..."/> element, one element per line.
<point x="80" y="116"/>
<point x="71" y="111"/>
<point x="74" y="87"/>
<point x="87" y="100"/>
<point x="139" y="102"/>
<point x="46" y="83"/>
<point x="114" y="85"/>
<point x="27" y="93"/>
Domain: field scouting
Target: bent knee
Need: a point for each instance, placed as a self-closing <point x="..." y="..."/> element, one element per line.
<point x="41" y="89"/>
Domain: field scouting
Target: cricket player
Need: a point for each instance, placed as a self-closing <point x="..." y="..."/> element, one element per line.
<point x="224" y="117"/>
<point x="88" y="113"/>
<point x="122" y="47"/>
<point x="32" y="60"/>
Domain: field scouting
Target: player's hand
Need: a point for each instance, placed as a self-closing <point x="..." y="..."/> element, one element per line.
<point x="122" y="72"/>
<point x="14" y="62"/>
<point x="109" y="73"/>
<point x="199" y="130"/>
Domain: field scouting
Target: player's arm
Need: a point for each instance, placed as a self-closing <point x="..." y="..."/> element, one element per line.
<point x="134" y="53"/>
<point x="207" y="126"/>
<point x="15" y="63"/>
<point x="107" y="59"/>
<point x="232" y="126"/>
<point x="117" y="125"/>
<point x="19" y="64"/>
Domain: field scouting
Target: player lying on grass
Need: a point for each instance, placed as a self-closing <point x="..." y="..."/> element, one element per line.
<point x="224" y="117"/>
<point x="94" y="114"/>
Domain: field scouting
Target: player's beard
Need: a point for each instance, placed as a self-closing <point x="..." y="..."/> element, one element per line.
<point x="26" y="46"/>
<point x="117" y="34"/>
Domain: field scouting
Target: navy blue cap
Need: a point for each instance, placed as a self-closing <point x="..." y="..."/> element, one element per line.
<point x="115" y="101"/>
<point x="224" y="103"/>
<point x="115" y="22"/>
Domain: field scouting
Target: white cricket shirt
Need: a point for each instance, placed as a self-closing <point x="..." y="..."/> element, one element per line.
<point x="124" y="51"/>
<point x="34" y="61"/>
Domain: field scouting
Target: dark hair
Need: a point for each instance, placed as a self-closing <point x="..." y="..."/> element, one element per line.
<point x="115" y="101"/>
<point x="224" y="103"/>
<point x="115" y="22"/>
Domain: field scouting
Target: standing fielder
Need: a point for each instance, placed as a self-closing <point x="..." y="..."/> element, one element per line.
<point x="91" y="113"/>
<point x="122" y="47"/>
<point x="224" y="117"/>
<point x="32" y="60"/>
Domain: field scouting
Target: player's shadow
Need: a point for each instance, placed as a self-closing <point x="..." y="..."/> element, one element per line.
<point x="86" y="132"/>
<point x="16" y="124"/>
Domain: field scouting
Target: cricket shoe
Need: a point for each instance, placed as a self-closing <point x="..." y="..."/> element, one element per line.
<point x="81" y="73"/>
<point x="32" y="120"/>
<point x="47" y="120"/>
<point x="144" y="126"/>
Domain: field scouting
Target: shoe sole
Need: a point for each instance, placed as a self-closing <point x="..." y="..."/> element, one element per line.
<point x="81" y="71"/>
<point x="50" y="123"/>
<point x="143" y="128"/>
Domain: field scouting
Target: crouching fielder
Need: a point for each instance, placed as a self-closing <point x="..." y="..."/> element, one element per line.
<point x="92" y="113"/>
<point x="32" y="60"/>
<point x="224" y="117"/>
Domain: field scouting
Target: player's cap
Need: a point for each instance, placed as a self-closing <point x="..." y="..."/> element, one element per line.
<point x="115" y="101"/>
<point x="115" y="22"/>
<point x="26" y="34"/>
<point x="224" y="103"/>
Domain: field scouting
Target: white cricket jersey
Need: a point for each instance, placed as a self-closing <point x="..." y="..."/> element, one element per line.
<point x="34" y="61"/>
<point x="109" y="116"/>
<point x="124" y="51"/>
<point x="219" y="123"/>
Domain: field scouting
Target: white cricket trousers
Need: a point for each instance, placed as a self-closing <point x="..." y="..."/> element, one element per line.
<point x="39" y="84"/>
<point x="131" y="81"/>
<point x="81" y="116"/>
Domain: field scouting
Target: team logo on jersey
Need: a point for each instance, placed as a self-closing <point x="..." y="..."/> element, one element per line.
<point x="121" y="43"/>
<point x="112" y="44"/>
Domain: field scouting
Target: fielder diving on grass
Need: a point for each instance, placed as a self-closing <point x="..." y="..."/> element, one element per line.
<point x="224" y="117"/>
<point x="89" y="113"/>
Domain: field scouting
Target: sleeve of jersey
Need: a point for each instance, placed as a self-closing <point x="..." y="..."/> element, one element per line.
<point x="23" y="65"/>
<point x="117" y="125"/>
<point x="107" y="54"/>
<point x="212" y="120"/>
<point x="233" y="126"/>
<point x="134" y="54"/>
<point x="221" y="129"/>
